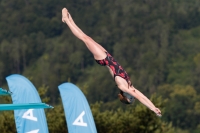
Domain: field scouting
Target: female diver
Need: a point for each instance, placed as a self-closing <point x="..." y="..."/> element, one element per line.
<point x="102" y="57"/>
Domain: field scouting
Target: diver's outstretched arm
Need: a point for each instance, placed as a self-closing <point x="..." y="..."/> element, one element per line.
<point x="122" y="85"/>
<point x="144" y="100"/>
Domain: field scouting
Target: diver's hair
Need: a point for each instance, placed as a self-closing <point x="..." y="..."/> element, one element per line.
<point x="123" y="98"/>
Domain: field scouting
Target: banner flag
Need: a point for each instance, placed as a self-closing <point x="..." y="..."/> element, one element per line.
<point x="77" y="111"/>
<point x="27" y="120"/>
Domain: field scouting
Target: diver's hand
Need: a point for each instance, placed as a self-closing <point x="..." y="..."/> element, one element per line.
<point x="157" y="111"/>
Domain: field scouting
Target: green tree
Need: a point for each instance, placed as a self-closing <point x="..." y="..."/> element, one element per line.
<point x="182" y="106"/>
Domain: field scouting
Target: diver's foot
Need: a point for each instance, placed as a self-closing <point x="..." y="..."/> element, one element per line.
<point x="65" y="15"/>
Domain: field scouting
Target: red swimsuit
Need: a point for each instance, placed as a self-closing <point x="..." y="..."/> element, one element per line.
<point x="117" y="71"/>
<point x="115" y="67"/>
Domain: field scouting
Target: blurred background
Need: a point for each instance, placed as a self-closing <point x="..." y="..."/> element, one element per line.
<point x="156" y="41"/>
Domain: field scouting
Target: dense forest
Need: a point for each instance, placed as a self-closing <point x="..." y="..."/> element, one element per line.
<point x="156" y="41"/>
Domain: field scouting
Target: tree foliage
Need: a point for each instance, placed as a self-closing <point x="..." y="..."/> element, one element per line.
<point x="157" y="42"/>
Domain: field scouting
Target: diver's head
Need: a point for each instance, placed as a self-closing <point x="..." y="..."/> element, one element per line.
<point x="126" y="98"/>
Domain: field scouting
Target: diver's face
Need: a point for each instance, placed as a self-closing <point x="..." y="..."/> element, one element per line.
<point x="128" y="97"/>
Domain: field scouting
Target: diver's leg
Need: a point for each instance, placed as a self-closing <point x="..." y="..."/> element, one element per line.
<point x="93" y="47"/>
<point x="74" y="24"/>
